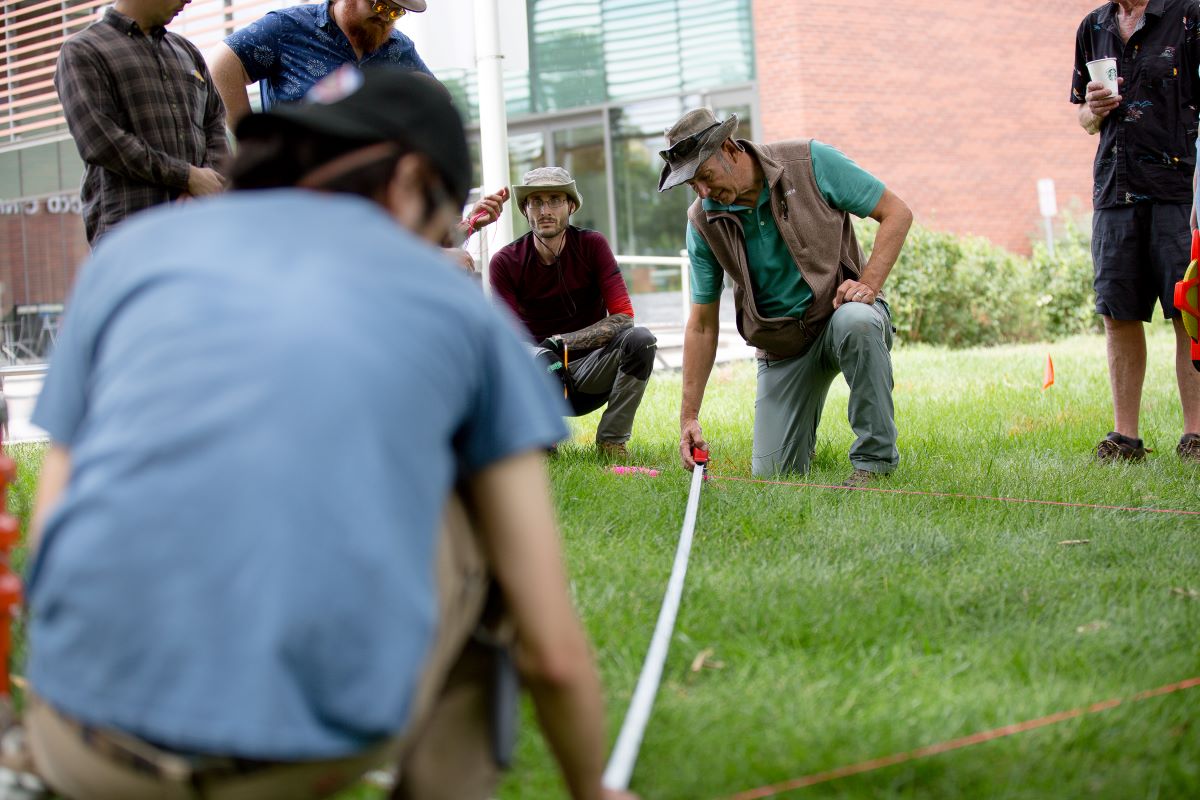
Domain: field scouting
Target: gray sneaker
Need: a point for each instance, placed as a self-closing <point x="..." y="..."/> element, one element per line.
<point x="1189" y="447"/>
<point x="1115" y="447"/>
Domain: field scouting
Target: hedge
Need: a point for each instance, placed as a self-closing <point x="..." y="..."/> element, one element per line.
<point x="963" y="291"/>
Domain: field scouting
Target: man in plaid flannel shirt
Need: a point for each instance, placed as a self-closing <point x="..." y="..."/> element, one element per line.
<point x="142" y="108"/>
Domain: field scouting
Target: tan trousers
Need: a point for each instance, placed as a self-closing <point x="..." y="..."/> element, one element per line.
<point x="445" y="751"/>
<point x="449" y="752"/>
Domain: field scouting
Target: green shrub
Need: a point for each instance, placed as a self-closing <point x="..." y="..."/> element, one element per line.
<point x="964" y="291"/>
<point x="1067" y="300"/>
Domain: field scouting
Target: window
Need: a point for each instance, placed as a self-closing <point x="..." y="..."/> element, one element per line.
<point x="581" y="152"/>
<point x="39" y="170"/>
<point x="649" y="222"/>
<point x="525" y="152"/>
<point x="10" y="175"/>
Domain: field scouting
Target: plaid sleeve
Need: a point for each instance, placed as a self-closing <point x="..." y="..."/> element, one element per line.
<point x="90" y="109"/>
<point x="216" y="141"/>
<point x="257" y="46"/>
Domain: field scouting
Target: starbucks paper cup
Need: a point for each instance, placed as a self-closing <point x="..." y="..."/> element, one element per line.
<point x="1105" y="71"/>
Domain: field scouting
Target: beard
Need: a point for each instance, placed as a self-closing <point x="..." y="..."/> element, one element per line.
<point x="370" y="34"/>
<point x="548" y="226"/>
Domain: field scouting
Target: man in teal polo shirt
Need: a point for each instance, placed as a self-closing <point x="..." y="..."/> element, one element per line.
<point x="775" y="218"/>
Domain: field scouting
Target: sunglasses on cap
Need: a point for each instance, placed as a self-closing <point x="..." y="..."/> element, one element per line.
<point x="388" y="10"/>
<point x="685" y="148"/>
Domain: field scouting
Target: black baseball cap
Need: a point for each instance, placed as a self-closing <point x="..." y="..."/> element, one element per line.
<point x="379" y="104"/>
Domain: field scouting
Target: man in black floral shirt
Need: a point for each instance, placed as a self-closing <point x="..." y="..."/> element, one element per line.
<point x="1142" y="195"/>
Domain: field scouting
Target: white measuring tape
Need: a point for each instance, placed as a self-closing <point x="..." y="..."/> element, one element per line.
<point x="629" y="741"/>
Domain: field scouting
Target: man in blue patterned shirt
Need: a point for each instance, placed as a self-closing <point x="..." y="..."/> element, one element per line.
<point x="289" y="50"/>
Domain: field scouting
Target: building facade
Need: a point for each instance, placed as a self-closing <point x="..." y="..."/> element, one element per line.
<point x="959" y="107"/>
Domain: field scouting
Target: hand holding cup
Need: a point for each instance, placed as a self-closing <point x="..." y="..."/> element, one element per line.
<point x="1102" y="90"/>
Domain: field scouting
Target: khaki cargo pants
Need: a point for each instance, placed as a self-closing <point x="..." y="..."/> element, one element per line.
<point x="446" y="752"/>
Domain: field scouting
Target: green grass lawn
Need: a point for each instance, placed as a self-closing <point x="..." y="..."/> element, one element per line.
<point x="851" y="625"/>
<point x="842" y="626"/>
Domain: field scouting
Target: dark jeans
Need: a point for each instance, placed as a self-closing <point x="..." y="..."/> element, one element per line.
<point x="615" y="374"/>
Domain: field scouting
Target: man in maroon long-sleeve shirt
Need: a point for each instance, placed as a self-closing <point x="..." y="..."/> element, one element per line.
<point x="563" y="283"/>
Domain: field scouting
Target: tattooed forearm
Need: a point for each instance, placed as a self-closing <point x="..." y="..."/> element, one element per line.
<point x="599" y="334"/>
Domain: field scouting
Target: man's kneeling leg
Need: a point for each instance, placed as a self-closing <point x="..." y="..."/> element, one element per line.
<point x="637" y="348"/>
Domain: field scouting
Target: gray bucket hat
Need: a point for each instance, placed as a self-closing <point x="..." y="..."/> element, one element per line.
<point x="690" y="142"/>
<point x="546" y="179"/>
<point x="416" y="6"/>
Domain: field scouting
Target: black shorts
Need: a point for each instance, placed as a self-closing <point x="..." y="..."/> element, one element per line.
<point x="1139" y="253"/>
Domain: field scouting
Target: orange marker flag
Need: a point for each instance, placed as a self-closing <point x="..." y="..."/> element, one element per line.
<point x="1048" y="375"/>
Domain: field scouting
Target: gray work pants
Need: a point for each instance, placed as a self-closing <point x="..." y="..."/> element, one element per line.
<point x="615" y="374"/>
<point x="857" y="343"/>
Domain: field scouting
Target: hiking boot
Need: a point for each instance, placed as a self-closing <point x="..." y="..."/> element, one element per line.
<point x="1115" y="447"/>
<point x="612" y="450"/>
<point x="861" y="477"/>
<point x="1189" y="447"/>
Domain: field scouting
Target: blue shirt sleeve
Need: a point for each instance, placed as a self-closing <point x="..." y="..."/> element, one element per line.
<point x="257" y="46"/>
<point x="516" y="407"/>
<point x="706" y="274"/>
<point x="62" y="402"/>
<point x="844" y="185"/>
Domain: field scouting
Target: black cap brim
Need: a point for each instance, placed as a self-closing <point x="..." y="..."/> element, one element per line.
<point x="387" y="104"/>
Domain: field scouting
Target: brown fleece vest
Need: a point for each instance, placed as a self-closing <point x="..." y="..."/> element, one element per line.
<point x="819" y="237"/>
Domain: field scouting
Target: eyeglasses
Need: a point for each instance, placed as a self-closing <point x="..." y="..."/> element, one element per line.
<point x="553" y="203"/>
<point x="389" y="10"/>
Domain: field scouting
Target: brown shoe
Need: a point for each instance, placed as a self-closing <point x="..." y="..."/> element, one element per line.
<point x="861" y="477"/>
<point x="1189" y="447"/>
<point x="612" y="450"/>
<point x="1115" y="447"/>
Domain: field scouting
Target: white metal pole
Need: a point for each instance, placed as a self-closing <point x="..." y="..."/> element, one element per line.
<point x="1048" y="205"/>
<point x="493" y="118"/>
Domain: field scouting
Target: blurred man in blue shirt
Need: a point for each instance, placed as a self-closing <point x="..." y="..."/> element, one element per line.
<point x="289" y="50"/>
<point x="225" y="600"/>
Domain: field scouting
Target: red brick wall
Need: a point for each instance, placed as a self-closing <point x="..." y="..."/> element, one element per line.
<point x="959" y="107"/>
<point x="39" y="254"/>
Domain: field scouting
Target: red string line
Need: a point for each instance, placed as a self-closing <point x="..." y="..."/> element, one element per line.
<point x="954" y="744"/>
<point x="958" y="496"/>
<point x="475" y="220"/>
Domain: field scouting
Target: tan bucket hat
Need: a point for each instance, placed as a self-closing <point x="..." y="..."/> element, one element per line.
<point x="690" y="142"/>
<point x="546" y="179"/>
